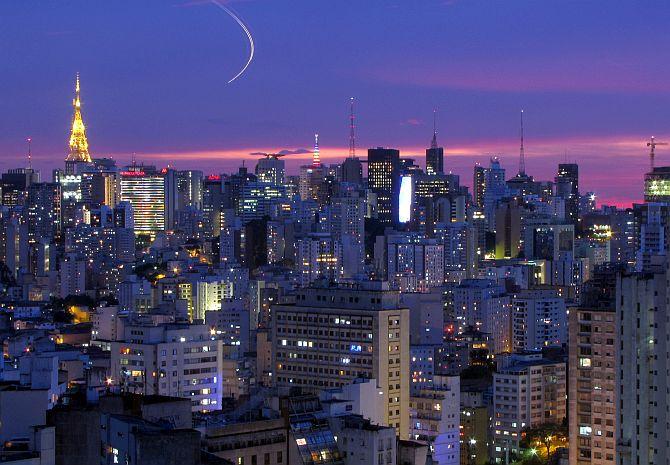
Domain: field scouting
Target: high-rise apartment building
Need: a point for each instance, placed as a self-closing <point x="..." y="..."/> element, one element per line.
<point x="539" y="319"/>
<point x="643" y="378"/>
<point x="483" y="305"/>
<point x="178" y="360"/>
<point x="332" y="336"/>
<point x="592" y="389"/>
<point x="528" y="390"/>
<point x="318" y="256"/>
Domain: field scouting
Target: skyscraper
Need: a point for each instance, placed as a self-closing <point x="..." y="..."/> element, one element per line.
<point x="144" y="188"/>
<point x="434" y="156"/>
<point x="592" y="391"/>
<point x="384" y="181"/>
<point x="270" y="169"/>
<point x="479" y="185"/>
<point x="643" y="398"/>
<point x="567" y="187"/>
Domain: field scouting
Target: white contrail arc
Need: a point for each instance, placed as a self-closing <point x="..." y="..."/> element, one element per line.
<point x="244" y="27"/>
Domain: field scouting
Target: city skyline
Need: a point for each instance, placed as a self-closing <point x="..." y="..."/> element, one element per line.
<point x="590" y="102"/>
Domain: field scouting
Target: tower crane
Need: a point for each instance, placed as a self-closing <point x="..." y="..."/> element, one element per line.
<point x="652" y="153"/>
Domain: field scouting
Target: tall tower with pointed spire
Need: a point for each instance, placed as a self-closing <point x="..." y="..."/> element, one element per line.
<point x="78" y="141"/>
<point x="316" y="160"/>
<point x="352" y="131"/>
<point x="435" y="154"/>
<point x="522" y="154"/>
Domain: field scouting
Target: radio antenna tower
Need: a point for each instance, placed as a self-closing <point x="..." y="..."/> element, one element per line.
<point x="30" y="153"/>
<point x="522" y="154"/>
<point x="352" y="131"/>
<point x="433" y="143"/>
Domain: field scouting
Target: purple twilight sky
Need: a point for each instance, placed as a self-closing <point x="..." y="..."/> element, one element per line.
<point x="590" y="75"/>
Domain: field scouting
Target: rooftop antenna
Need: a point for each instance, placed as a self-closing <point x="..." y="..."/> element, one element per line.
<point x="522" y="154"/>
<point x="352" y="130"/>
<point x="316" y="161"/>
<point x="30" y="153"/>
<point x="433" y="144"/>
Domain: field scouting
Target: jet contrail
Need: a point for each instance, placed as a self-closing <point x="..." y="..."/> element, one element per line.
<point x="246" y="31"/>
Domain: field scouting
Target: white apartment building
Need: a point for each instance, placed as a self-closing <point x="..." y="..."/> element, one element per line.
<point x="178" y="360"/>
<point x="539" y="319"/>
<point x="528" y="390"/>
<point x="436" y="417"/>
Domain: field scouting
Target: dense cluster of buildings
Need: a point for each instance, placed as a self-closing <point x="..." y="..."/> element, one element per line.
<point x="390" y="315"/>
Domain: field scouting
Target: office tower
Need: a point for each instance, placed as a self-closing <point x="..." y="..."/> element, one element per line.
<point x="644" y="372"/>
<point x="384" y="182"/>
<point x="528" y="391"/>
<point x="352" y="171"/>
<point x="43" y="211"/>
<point x="144" y="189"/>
<point x="539" y="319"/>
<point x="261" y="199"/>
<point x="434" y="156"/>
<point x="435" y="419"/>
<point x="567" y="187"/>
<point x="508" y="230"/>
<point x="16" y="246"/>
<point x="212" y="201"/>
<point x="657" y="185"/>
<point x="413" y="263"/>
<point x="270" y="170"/>
<point x="592" y="389"/>
<point x="233" y="186"/>
<point x="483" y="305"/>
<point x="479" y="185"/>
<point x="14" y="185"/>
<point x="331" y="336"/>
<point x="189" y="189"/>
<point x="546" y="241"/>
<point x="317" y="256"/>
<point x="171" y="196"/>
<point x="178" y="360"/>
<point x="100" y="188"/>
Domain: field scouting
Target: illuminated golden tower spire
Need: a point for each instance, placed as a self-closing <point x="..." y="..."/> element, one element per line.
<point x="78" y="141"/>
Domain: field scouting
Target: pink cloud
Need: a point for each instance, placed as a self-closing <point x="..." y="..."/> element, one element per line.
<point x="580" y="73"/>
